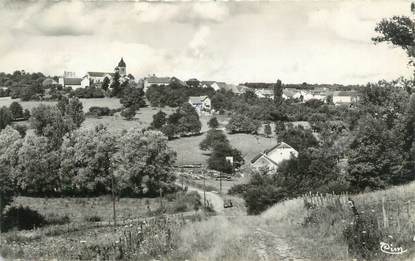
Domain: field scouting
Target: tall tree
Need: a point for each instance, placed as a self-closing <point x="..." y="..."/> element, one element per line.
<point x="10" y="143"/>
<point x="105" y="84"/>
<point x="212" y="138"/>
<point x="278" y="91"/>
<point x="213" y="123"/>
<point x="48" y="121"/>
<point x="144" y="162"/>
<point x="133" y="98"/>
<point x="74" y="110"/>
<point x="399" y="31"/>
<point x="38" y="166"/>
<point x="86" y="160"/>
<point x="17" y="110"/>
<point x="217" y="159"/>
<point x="6" y="117"/>
<point x="159" y="119"/>
<point x="116" y="85"/>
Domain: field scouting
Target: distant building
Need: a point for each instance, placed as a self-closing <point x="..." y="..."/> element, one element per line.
<point x="200" y="103"/>
<point x="74" y="83"/>
<point x="345" y="97"/>
<point x="154" y="80"/>
<point x="273" y="157"/>
<point x="298" y="124"/>
<point x="218" y="85"/>
<point x="94" y="78"/>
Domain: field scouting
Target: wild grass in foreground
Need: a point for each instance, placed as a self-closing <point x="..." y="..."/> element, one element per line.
<point x="325" y="227"/>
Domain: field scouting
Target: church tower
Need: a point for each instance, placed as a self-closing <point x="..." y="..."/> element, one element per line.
<point x="122" y="68"/>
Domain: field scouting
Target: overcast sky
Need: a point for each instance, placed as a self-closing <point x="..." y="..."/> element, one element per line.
<point x="296" y="41"/>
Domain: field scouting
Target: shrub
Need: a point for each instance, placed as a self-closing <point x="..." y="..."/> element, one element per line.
<point x="22" y="218"/>
<point x="100" y="111"/>
<point x="93" y="218"/>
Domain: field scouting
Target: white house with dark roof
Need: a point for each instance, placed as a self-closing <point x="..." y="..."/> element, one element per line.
<point x="200" y="103"/>
<point x="273" y="157"/>
<point x="154" y="80"/>
<point x="74" y="83"/>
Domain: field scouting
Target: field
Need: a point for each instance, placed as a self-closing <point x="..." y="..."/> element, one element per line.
<point x="83" y="227"/>
<point x="111" y="103"/>
<point x="187" y="148"/>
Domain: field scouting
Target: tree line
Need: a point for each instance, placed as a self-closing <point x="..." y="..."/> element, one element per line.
<point x="59" y="158"/>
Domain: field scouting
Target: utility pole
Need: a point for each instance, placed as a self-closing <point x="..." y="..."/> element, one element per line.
<point x="161" y="198"/>
<point x="204" y="188"/>
<point x="114" y="216"/>
<point x="220" y="183"/>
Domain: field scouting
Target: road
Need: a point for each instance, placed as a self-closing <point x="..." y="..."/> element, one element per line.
<point x="214" y="199"/>
<point x="269" y="246"/>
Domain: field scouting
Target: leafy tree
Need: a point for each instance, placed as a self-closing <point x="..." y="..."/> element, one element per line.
<point x="10" y="143"/>
<point x="26" y="114"/>
<point x="144" y="162"/>
<point x="267" y="130"/>
<point x="278" y="91"/>
<point x="6" y="117"/>
<point x="74" y="110"/>
<point x="314" y="170"/>
<point x="128" y="113"/>
<point x="38" y="167"/>
<point x="105" y="84"/>
<point x="373" y="153"/>
<point x="314" y="103"/>
<point x="116" y="90"/>
<point x="212" y="138"/>
<point x="217" y="159"/>
<point x="62" y="104"/>
<point x="213" y="123"/>
<point x="86" y="160"/>
<point x="133" y="98"/>
<point x="16" y="110"/>
<point x="159" y="120"/>
<point x="399" y="31"/>
<point x="183" y="121"/>
<point x="262" y="193"/>
<point x="48" y="121"/>
<point x="329" y="99"/>
<point x="242" y="123"/>
<point x="279" y="127"/>
<point x="298" y="138"/>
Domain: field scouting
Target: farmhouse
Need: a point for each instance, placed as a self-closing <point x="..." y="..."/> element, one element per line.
<point x="154" y="80"/>
<point x="200" y="103"/>
<point x="74" y="83"/>
<point x="345" y="97"/>
<point x="272" y="157"/>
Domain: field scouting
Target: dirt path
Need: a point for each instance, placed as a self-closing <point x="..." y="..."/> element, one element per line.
<point x="269" y="246"/>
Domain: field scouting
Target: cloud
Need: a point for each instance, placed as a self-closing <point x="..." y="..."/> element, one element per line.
<point x="230" y="41"/>
<point x="200" y="41"/>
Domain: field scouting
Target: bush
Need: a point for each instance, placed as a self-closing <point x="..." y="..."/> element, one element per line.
<point x="242" y="123"/>
<point x="93" y="218"/>
<point x="54" y="219"/>
<point x="22" y="218"/>
<point x="100" y="111"/>
<point x="21" y="129"/>
<point x="238" y="189"/>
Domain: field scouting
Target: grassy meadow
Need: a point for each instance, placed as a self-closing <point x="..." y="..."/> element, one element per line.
<point x="187" y="148"/>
